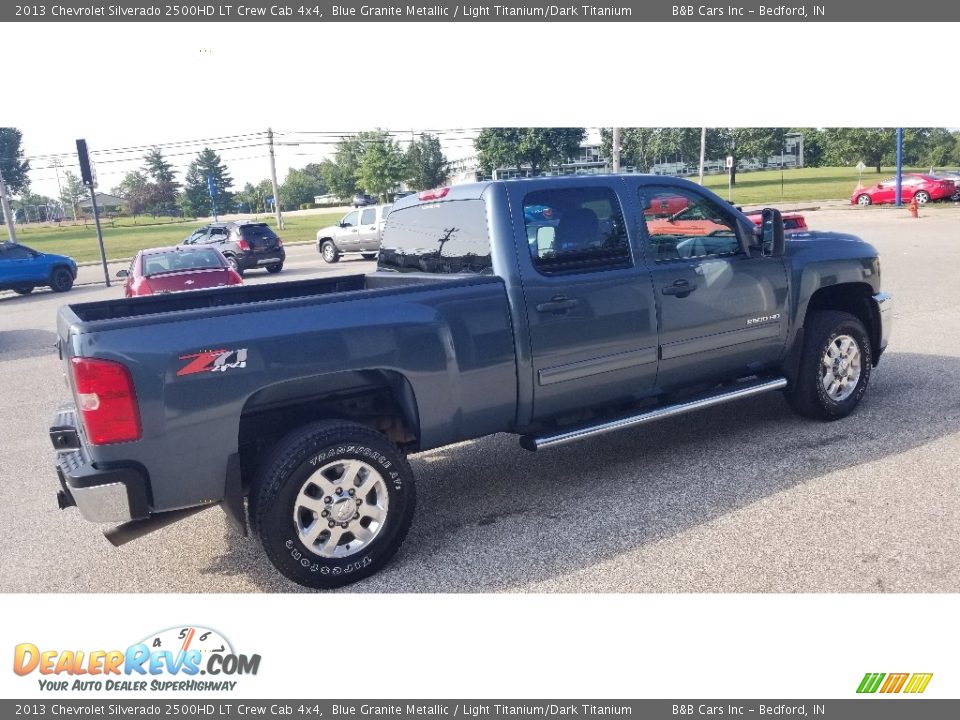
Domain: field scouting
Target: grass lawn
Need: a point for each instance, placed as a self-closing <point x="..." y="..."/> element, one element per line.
<point x="122" y="239"/>
<point x="803" y="184"/>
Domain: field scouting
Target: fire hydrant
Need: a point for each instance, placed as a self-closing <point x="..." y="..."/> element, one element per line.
<point x="913" y="209"/>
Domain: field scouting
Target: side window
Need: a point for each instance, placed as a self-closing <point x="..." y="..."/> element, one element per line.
<point x="350" y="220"/>
<point x="16" y="252"/>
<point x="368" y="217"/>
<point x="216" y="235"/>
<point x="682" y="225"/>
<point x="196" y="237"/>
<point x="575" y="230"/>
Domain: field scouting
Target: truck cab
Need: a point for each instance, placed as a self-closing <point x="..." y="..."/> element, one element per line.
<point x="358" y="232"/>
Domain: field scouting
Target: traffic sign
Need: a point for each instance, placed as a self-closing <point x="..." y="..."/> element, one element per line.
<point x="729" y="162"/>
<point x="861" y="167"/>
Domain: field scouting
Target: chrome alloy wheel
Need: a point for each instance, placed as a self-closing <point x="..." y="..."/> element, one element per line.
<point x="341" y="508"/>
<point x="841" y="368"/>
<point x="329" y="253"/>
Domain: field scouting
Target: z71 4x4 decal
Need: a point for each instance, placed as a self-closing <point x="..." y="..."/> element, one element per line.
<point x="213" y="361"/>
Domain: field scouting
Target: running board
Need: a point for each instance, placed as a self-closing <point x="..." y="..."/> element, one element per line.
<point x="744" y="390"/>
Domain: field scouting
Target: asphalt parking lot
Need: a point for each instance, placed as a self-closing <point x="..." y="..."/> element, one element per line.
<point x="741" y="498"/>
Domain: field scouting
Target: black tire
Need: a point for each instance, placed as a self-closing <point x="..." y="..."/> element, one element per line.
<point x="329" y="252"/>
<point x="370" y="256"/>
<point x="296" y="461"/>
<point x="61" y="279"/>
<point x="26" y="290"/>
<point x="807" y="395"/>
<point x="275" y="268"/>
<point x="234" y="265"/>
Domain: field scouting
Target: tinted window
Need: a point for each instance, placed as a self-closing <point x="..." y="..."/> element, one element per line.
<point x="368" y="217"/>
<point x="682" y="224"/>
<point x="192" y="259"/>
<point x="216" y="235"/>
<point x="447" y="237"/>
<point x="17" y="252"/>
<point x="350" y="220"/>
<point x="575" y="229"/>
<point x="257" y="232"/>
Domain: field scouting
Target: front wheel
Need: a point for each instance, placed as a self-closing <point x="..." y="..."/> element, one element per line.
<point x="332" y="504"/>
<point x="25" y="290"/>
<point x="835" y="365"/>
<point x="61" y="279"/>
<point x="864" y="200"/>
<point x="329" y="252"/>
<point x="922" y="197"/>
<point x="275" y="268"/>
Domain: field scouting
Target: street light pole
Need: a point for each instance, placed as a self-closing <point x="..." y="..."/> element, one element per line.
<point x="5" y="203"/>
<point x="273" y="179"/>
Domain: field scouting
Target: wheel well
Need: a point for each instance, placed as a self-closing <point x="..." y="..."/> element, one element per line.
<point x="382" y="400"/>
<point x="853" y="298"/>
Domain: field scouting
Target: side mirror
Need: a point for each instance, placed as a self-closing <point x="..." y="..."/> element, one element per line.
<point x="772" y="233"/>
<point x="123" y="273"/>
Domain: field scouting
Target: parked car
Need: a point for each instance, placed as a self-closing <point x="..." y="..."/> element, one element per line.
<point x="358" y="232"/>
<point x="362" y="200"/>
<point x="176" y="269"/>
<point x="245" y="245"/>
<point x="22" y="269"/>
<point x="913" y="186"/>
<point x="791" y="221"/>
<point x="299" y="402"/>
<point x="954" y="177"/>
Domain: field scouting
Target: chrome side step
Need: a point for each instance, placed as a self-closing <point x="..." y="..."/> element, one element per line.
<point x="743" y="390"/>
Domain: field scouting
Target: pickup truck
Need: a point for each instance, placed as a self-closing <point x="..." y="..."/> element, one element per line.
<point x="555" y="309"/>
<point x="358" y="232"/>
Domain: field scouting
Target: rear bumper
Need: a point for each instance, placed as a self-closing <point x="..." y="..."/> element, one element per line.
<point x="248" y="262"/>
<point x="883" y="302"/>
<point x="117" y="493"/>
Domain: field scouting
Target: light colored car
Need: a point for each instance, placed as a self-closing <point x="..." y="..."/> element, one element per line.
<point x="359" y="232"/>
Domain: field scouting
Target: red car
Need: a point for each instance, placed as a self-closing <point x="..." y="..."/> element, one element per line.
<point x="915" y="186"/>
<point x="175" y="269"/>
<point x="791" y="221"/>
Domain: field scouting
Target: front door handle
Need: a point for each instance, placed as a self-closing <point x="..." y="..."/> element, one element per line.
<point x="558" y="303"/>
<point x="681" y="288"/>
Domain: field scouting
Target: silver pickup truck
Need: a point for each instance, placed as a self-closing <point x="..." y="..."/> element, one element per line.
<point x="358" y="232"/>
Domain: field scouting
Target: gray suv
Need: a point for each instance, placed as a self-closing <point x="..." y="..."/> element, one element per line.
<point x="246" y="245"/>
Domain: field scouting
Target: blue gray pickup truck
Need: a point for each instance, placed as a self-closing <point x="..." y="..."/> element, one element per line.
<point x="555" y="309"/>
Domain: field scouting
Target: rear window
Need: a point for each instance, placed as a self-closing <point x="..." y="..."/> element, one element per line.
<point x="192" y="259"/>
<point x="443" y="238"/>
<point x="257" y="232"/>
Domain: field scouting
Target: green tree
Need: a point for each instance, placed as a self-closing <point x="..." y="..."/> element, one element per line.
<point x="340" y="174"/>
<point x="162" y="197"/>
<point x="526" y="149"/>
<point x="135" y="191"/>
<point x="759" y="143"/>
<point x="301" y="186"/>
<point x="196" y="195"/>
<point x="848" y="146"/>
<point x="426" y="163"/>
<point x="382" y="164"/>
<point x="12" y="164"/>
<point x="72" y="192"/>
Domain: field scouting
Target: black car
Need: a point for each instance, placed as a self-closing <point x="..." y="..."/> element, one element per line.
<point x="246" y="245"/>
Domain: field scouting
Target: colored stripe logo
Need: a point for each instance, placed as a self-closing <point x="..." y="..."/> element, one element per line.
<point x="913" y="683"/>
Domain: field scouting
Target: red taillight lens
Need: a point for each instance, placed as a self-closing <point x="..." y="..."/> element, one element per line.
<point x="106" y="400"/>
<point x="243" y="245"/>
<point x="233" y="278"/>
<point x="434" y="194"/>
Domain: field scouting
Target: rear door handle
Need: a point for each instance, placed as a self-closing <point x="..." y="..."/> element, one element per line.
<point x="679" y="288"/>
<point x="558" y="303"/>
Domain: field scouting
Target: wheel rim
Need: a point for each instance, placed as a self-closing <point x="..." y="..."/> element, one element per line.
<point x="921" y="198"/>
<point x="863" y="200"/>
<point x="341" y="508"/>
<point x="61" y="279"/>
<point x="841" y="368"/>
<point x="328" y="252"/>
<point x="232" y="262"/>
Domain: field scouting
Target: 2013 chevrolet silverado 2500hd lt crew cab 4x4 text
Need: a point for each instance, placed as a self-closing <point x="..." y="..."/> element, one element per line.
<point x="552" y="308"/>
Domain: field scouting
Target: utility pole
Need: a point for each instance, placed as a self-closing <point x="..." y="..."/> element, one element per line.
<point x="615" y="150"/>
<point x="899" y="197"/>
<point x="5" y="202"/>
<point x="703" y="151"/>
<point x="273" y="179"/>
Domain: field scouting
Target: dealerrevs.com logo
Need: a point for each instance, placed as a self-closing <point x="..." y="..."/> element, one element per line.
<point x="176" y="659"/>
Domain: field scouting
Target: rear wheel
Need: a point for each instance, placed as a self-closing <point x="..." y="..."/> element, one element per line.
<point x="234" y="265"/>
<point x="864" y="200"/>
<point x="329" y="252"/>
<point x="61" y="279"/>
<point x="332" y="504"/>
<point x="922" y="197"/>
<point x="370" y="256"/>
<point x="25" y="290"/>
<point x="835" y="366"/>
<point x="275" y="268"/>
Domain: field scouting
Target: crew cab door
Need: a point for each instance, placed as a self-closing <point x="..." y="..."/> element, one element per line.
<point x="722" y="309"/>
<point x="589" y="303"/>
<point x="368" y="230"/>
<point x="347" y="237"/>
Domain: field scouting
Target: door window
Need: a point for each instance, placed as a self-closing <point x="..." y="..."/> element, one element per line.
<point x="17" y="252"/>
<point x="682" y="225"/>
<point x="368" y="217"/>
<point x="575" y="230"/>
<point x="350" y="220"/>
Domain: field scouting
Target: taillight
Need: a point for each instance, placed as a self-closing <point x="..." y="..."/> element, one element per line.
<point x="434" y="194"/>
<point x="243" y="245"/>
<point x="279" y="242"/>
<point x="106" y="400"/>
<point x="233" y="278"/>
